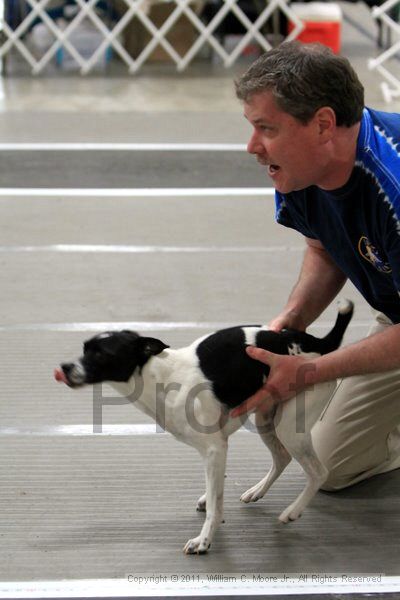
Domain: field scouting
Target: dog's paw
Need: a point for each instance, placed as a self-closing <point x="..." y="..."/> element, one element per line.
<point x="201" y="504"/>
<point x="197" y="545"/>
<point x="290" y="514"/>
<point x="253" y="494"/>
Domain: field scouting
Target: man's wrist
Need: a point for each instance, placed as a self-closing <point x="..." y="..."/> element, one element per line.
<point x="309" y="372"/>
<point x="325" y="368"/>
<point x="295" y="316"/>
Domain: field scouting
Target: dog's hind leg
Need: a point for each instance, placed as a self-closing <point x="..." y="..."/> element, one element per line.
<point x="294" y="420"/>
<point x="316" y="475"/>
<point x="201" y="503"/>
<point x="215" y="462"/>
<point x="280" y="458"/>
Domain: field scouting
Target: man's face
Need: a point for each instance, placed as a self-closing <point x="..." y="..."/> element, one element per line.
<point x="291" y="151"/>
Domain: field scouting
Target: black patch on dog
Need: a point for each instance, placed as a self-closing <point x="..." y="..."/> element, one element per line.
<point x="235" y="376"/>
<point x="114" y="355"/>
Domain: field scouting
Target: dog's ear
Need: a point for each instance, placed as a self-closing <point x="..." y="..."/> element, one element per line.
<point x="151" y="346"/>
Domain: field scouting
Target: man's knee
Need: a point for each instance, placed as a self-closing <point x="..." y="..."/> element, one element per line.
<point x="336" y="482"/>
<point x="338" y="457"/>
<point x="351" y="462"/>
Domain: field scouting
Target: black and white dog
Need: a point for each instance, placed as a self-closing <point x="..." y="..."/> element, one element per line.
<point x="190" y="391"/>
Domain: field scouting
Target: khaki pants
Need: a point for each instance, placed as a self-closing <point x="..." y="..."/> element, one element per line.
<point x="358" y="434"/>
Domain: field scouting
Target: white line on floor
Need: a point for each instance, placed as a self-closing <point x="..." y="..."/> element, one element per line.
<point x="143" y="326"/>
<point x="134" y="192"/>
<point x="118" y="146"/>
<point x="158" y="585"/>
<point x="130" y="249"/>
<point x="81" y="430"/>
<point x="90" y="430"/>
<point x="109" y="326"/>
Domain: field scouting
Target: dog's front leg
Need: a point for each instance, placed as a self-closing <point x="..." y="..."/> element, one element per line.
<point x="215" y="462"/>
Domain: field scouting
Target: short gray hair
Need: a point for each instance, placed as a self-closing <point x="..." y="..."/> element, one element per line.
<point x="304" y="78"/>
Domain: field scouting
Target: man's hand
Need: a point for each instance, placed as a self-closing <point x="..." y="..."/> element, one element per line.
<point x="288" y="319"/>
<point x="288" y="376"/>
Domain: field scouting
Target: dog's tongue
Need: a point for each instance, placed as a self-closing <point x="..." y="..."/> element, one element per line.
<point x="59" y="375"/>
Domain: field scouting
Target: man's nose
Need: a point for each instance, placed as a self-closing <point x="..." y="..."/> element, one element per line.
<point x="254" y="146"/>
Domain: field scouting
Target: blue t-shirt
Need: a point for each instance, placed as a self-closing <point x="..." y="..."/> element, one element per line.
<point x="359" y="224"/>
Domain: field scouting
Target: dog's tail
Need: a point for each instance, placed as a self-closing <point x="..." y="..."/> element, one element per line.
<point x="334" y="338"/>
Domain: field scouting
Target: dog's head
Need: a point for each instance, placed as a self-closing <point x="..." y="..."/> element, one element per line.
<point x="109" y="356"/>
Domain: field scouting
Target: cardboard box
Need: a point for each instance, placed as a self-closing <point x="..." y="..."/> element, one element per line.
<point x="181" y="35"/>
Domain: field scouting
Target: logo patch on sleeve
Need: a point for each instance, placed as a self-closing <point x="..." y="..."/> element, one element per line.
<point x="371" y="254"/>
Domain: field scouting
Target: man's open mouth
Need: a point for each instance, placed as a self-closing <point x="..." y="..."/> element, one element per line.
<point x="273" y="169"/>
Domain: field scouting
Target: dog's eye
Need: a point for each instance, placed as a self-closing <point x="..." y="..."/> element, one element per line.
<point x="96" y="354"/>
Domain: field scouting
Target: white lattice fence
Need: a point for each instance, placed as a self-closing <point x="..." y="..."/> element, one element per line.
<point x="109" y="34"/>
<point x="388" y="14"/>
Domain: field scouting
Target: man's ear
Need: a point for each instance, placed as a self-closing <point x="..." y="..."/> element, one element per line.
<point x="326" y="121"/>
<point x="151" y="346"/>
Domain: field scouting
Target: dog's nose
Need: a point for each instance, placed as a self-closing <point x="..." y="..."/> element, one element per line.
<point x="67" y="368"/>
<point x="73" y="374"/>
